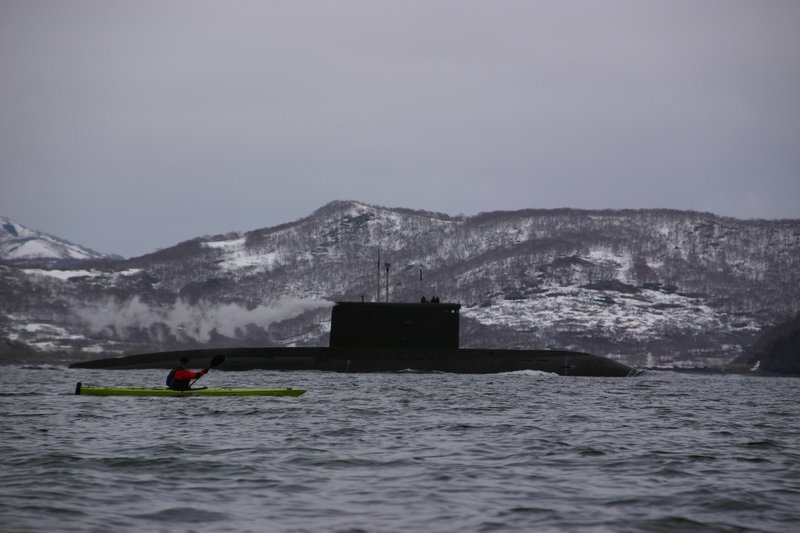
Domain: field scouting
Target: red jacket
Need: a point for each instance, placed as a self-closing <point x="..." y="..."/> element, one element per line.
<point x="184" y="375"/>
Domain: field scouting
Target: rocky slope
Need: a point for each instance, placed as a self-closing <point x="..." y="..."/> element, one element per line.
<point x="650" y="287"/>
<point x="776" y="351"/>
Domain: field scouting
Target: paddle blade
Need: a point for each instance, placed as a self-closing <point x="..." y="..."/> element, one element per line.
<point x="217" y="360"/>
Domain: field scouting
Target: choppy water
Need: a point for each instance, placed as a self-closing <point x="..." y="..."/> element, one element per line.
<point x="401" y="452"/>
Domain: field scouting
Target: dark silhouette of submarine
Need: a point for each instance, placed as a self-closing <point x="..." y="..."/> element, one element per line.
<point x="385" y="337"/>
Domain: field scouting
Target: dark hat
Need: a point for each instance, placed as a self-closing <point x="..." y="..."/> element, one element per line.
<point x="184" y="359"/>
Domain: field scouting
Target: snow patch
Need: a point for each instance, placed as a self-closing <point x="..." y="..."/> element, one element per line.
<point x="226" y="245"/>
<point x="574" y="308"/>
<point x="235" y="256"/>
<point x="266" y="261"/>
<point x="65" y="275"/>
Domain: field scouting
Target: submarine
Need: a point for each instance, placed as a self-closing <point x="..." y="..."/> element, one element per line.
<point x="385" y="337"/>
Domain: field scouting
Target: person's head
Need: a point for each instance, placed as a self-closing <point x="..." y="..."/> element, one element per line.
<point x="184" y="361"/>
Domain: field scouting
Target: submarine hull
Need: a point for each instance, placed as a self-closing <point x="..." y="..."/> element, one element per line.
<point x="357" y="359"/>
<point x="386" y="337"/>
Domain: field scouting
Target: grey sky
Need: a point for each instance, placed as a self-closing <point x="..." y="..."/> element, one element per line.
<point x="127" y="126"/>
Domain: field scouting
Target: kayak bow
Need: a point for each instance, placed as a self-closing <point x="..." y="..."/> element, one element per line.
<point x="211" y="391"/>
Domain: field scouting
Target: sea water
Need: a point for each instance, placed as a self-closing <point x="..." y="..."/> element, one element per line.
<point x="521" y="451"/>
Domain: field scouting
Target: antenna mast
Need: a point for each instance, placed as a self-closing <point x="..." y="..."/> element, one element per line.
<point x="378" y="285"/>
<point x="387" y="281"/>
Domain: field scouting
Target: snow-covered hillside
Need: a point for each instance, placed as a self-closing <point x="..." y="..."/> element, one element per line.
<point x="650" y="287"/>
<point x="19" y="243"/>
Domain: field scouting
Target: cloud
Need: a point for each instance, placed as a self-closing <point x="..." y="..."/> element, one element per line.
<point x="187" y="321"/>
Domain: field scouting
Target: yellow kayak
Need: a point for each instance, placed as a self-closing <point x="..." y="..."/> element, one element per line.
<point x="210" y="391"/>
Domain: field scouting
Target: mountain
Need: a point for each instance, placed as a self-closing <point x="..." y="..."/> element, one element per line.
<point x="649" y="287"/>
<point x="19" y="244"/>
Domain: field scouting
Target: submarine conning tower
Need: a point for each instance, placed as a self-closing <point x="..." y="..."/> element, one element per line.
<point x="394" y="325"/>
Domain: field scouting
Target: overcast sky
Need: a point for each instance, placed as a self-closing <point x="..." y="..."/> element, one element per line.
<point x="128" y="126"/>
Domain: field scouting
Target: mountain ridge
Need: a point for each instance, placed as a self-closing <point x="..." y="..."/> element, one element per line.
<point x="20" y="244"/>
<point x="649" y="287"/>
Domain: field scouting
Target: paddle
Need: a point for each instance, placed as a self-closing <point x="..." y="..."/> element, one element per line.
<point x="215" y="361"/>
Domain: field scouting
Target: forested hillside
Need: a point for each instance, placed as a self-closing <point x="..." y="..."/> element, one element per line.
<point x="651" y="287"/>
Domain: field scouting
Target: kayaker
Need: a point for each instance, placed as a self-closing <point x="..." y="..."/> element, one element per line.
<point x="179" y="377"/>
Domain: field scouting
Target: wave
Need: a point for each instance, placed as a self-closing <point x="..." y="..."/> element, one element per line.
<point x="531" y="373"/>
